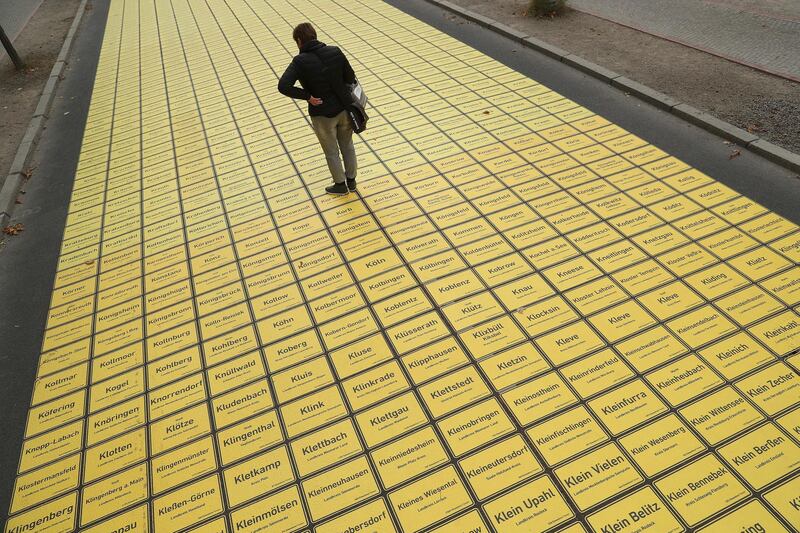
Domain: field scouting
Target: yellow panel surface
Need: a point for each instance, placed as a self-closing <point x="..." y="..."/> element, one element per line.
<point x="526" y="319"/>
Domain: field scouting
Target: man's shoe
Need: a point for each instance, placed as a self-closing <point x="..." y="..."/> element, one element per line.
<point x="351" y="185"/>
<point x="337" y="188"/>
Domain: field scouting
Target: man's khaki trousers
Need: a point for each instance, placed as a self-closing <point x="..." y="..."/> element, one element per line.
<point x="336" y="134"/>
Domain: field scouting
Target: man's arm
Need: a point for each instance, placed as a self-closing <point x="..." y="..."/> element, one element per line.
<point x="286" y="84"/>
<point x="347" y="71"/>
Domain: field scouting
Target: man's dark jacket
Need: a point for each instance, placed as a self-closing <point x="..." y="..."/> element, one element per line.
<point x="307" y="67"/>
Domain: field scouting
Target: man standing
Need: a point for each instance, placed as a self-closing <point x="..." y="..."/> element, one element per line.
<point x="317" y="66"/>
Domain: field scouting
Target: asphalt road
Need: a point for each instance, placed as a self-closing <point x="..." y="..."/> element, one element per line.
<point x="27" y="263"/>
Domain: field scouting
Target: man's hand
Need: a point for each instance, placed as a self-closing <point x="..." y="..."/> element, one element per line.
<point x="315" y="101"/>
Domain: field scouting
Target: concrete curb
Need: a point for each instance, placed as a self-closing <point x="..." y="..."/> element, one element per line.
<point x="708" y="122"/>
<point x="713" y="124"/>
<point x="12" y="183"/>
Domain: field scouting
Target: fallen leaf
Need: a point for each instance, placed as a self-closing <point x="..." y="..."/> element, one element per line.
<point x="14" y="229"/>
<point x="735" y="153"/>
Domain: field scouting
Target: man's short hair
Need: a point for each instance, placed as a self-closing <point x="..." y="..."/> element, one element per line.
<point x="304" y="33"/>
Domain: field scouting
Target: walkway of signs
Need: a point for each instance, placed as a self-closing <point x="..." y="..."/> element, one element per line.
<point x="527" y="318"/>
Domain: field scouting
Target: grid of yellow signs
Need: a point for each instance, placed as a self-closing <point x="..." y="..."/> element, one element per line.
<point x="527" y="318"/>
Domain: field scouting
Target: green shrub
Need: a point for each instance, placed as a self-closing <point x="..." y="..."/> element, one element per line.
<point x="545" y="7"/>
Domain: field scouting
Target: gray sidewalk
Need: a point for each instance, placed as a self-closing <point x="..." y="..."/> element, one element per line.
<point x="764" y="34"/>
<point x="14" y="14"/>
